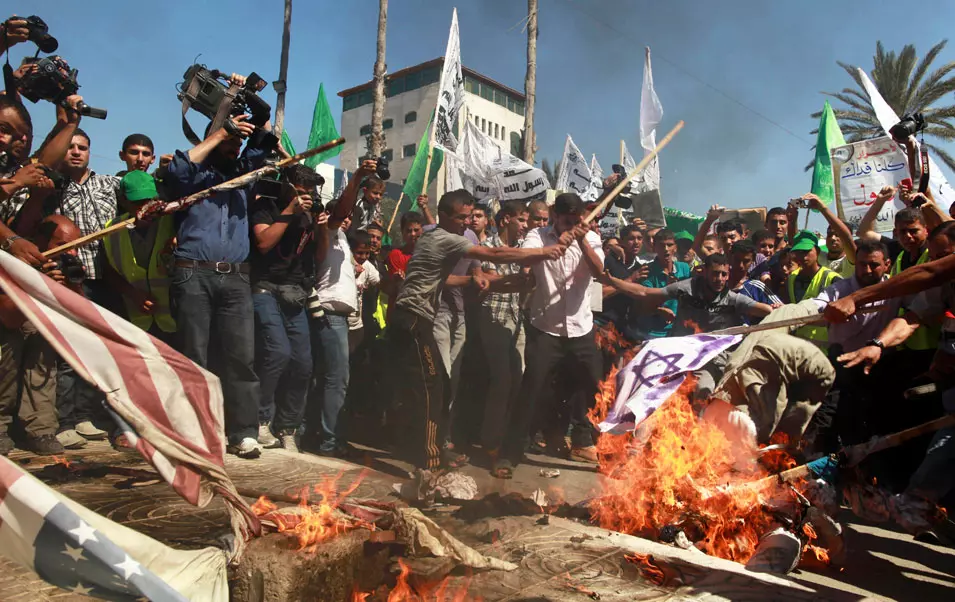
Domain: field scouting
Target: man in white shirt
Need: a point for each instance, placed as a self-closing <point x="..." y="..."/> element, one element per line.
<point x="337" y="293"/>
<point x="560" y="332"/>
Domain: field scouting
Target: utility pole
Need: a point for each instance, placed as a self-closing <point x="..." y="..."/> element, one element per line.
<point x="280" y="85"/>
<point x="378" y="95"/>
<point x="530" y="82"/>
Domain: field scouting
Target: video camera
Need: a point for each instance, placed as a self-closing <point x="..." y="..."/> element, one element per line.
<point x="202" y="90"/>
<point x="52" y="79"/>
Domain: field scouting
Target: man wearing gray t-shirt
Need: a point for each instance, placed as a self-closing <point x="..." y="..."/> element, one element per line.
<point x="421" y="378"/>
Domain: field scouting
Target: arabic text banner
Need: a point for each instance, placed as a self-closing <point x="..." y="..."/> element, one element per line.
<point x="861" y="170"/>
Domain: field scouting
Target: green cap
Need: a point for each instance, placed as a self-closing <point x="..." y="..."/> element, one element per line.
<point x="684" y="235"/>
<point x="805" y="240"/>
<point x="139" y="186"/>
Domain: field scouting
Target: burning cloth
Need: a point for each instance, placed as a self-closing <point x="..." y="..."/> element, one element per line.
<point x="656" y="373"/>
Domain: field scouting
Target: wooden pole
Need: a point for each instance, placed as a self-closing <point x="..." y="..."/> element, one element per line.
<point x="395" y="214"/>
<point x="186" y="202"/>
<point x="622" y="145"/>
<point x="802" y="321"/>
<point x="280" y="86"/>
<point x="530" y="84"/>
<point x="377" y="145"/>
<point x="636" y="170"/>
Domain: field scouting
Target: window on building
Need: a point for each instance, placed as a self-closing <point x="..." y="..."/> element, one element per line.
<point x="408" y="150"/>
<point x="472" y="85"/>
<point x="365" y="130"/>
<point x="430" y="75"/>
<point x="503" y="137"/>
<point x="387" y="124"/>
<point x="411" y="117"/>
<point x="396" y="86"/>
<point x="500" y="98"/>
<point x="487" y="92"/>
<point x="349" y="102"/>
<point x="388" y="154"/>
<point x="517" y="144"/>
<point x="413" y="81"/>
<point x="519" y="108"/>
<point x="496" y="131"/>
<point x="477" y="120"/>
<point x="364" y="97"/>
<point x="483" y="125"/>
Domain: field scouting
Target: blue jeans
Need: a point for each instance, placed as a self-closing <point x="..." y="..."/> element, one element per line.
<point x="201" y="298"/>
<point x="330" y="342"/>
<point x="283" y="361"/>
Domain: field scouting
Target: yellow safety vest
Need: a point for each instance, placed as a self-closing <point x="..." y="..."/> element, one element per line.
<point x="925" y="337"/>
<point x="153" y="279"/>
<point x="818" y="334"/>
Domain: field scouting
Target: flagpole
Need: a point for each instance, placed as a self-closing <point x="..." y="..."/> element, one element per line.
<point x="621" y="151"/>
<point x="636" y="171"/>
<point x="280" y="86"/>
<point x="395" y="214"/>
<point x="186" y="202"/>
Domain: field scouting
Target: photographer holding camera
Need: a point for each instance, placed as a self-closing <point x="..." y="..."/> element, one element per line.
<point x="210" y="276"/>
<point x="283" y="262"/>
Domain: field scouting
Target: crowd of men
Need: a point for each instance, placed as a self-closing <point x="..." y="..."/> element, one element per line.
<point x="478" y="333"/>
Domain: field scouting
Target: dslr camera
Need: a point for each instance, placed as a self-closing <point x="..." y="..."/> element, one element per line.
<point x="52" y="79"/>
<point x="72" y="269"/>
<point x="39" y="33"/>
<point x="299" y="175"/>
<point x="205" y="91"/>
<point x="381" y="170"/>
<point x="909" y="126"/>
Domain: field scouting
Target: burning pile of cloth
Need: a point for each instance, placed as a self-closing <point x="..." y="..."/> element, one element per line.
<point x="692" y="430"/>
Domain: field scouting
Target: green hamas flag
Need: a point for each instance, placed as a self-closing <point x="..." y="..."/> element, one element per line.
<point x="830" y="136"/>
<point x="681" y="220"/>
<point x="323" y="130"/>
<point x="287" y="144"/>
<point x="414" y="184"/>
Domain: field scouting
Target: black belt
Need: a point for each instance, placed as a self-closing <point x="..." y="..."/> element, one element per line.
<point x="220" y="267"/>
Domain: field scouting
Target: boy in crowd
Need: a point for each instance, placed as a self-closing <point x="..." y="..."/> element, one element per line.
<point x="138" y="259"/>
<point x="368" y="208"/>
<point x="777" y="224"/>
<point x="663" y="271"/>
<point x="742" y="257"/>
<point x="366" y="277"/>
<point x="137" y="153"/>
<point x="412" y="224"/>
<point x="422" y="384"/>
<point x="684" y="249"/>
<point x="479" y="222"/>
<point x="623" y="261"/>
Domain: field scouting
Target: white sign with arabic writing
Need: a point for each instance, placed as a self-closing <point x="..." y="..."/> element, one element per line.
<point x="574" y="175"/>
<point x="483" y="168"/>
<point x="861" y="170"/>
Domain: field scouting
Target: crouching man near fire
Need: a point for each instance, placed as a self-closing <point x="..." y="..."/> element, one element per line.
<point x="422" y="386"/>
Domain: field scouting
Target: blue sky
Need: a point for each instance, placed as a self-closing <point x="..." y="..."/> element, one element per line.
<point x="770" y="58"/>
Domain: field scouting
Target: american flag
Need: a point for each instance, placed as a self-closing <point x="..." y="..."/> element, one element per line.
<point x="170" y="408"/>
<point x="80" y="551"/>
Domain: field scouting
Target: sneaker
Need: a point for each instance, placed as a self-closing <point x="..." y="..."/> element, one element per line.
<point x="88" y="431"/>
<point x="288" y="443"/>
<point x="45" y="445"/>
<point x="70" y="439"/>
<point x="248" y="449"/>
<point x="6" y="444"/>
<point x="266" y="438"/>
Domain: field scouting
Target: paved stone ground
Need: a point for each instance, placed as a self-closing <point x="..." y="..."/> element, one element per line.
<point x="882" y="564"/>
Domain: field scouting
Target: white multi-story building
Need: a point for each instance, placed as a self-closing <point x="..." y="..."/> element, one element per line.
<point x="411" y="96"/>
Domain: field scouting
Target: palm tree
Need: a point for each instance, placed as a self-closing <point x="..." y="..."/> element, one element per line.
<point x="377" y="140"/>
<point x="530" y="83"/>
<point x="549" y="172"/>
<point x="902" y="81"/>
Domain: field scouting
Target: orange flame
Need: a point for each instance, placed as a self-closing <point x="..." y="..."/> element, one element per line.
<point x="436" y="592"/>
<point x="313" y="524"/>
<point x="678" y="474"/>
<point x="645" y="563"/>
<point x="62" y="461"/>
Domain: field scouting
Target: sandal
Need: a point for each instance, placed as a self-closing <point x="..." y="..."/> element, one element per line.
<point x="503" y="469"/>
<point x="585" y="454"/>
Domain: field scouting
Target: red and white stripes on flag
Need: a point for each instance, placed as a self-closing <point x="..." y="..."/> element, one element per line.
<point x="173" y="407"/>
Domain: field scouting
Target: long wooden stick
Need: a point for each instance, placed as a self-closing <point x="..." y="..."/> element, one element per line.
<point x="186" y="202"/>
<point x="801" y="321"/>
<point x="636" y="171"/>
<point x="395" y="214"/>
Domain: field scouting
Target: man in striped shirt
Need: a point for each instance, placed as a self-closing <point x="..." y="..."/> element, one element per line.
<point x="742" y="256"/>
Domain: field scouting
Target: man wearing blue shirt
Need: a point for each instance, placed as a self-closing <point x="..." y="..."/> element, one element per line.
<point x="663" y="271"/>
<point x="210" y="279"/>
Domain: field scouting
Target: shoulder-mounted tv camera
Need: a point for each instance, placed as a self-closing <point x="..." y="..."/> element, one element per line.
<point x="209" y="92"/>
<point x="50" y="78"/>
